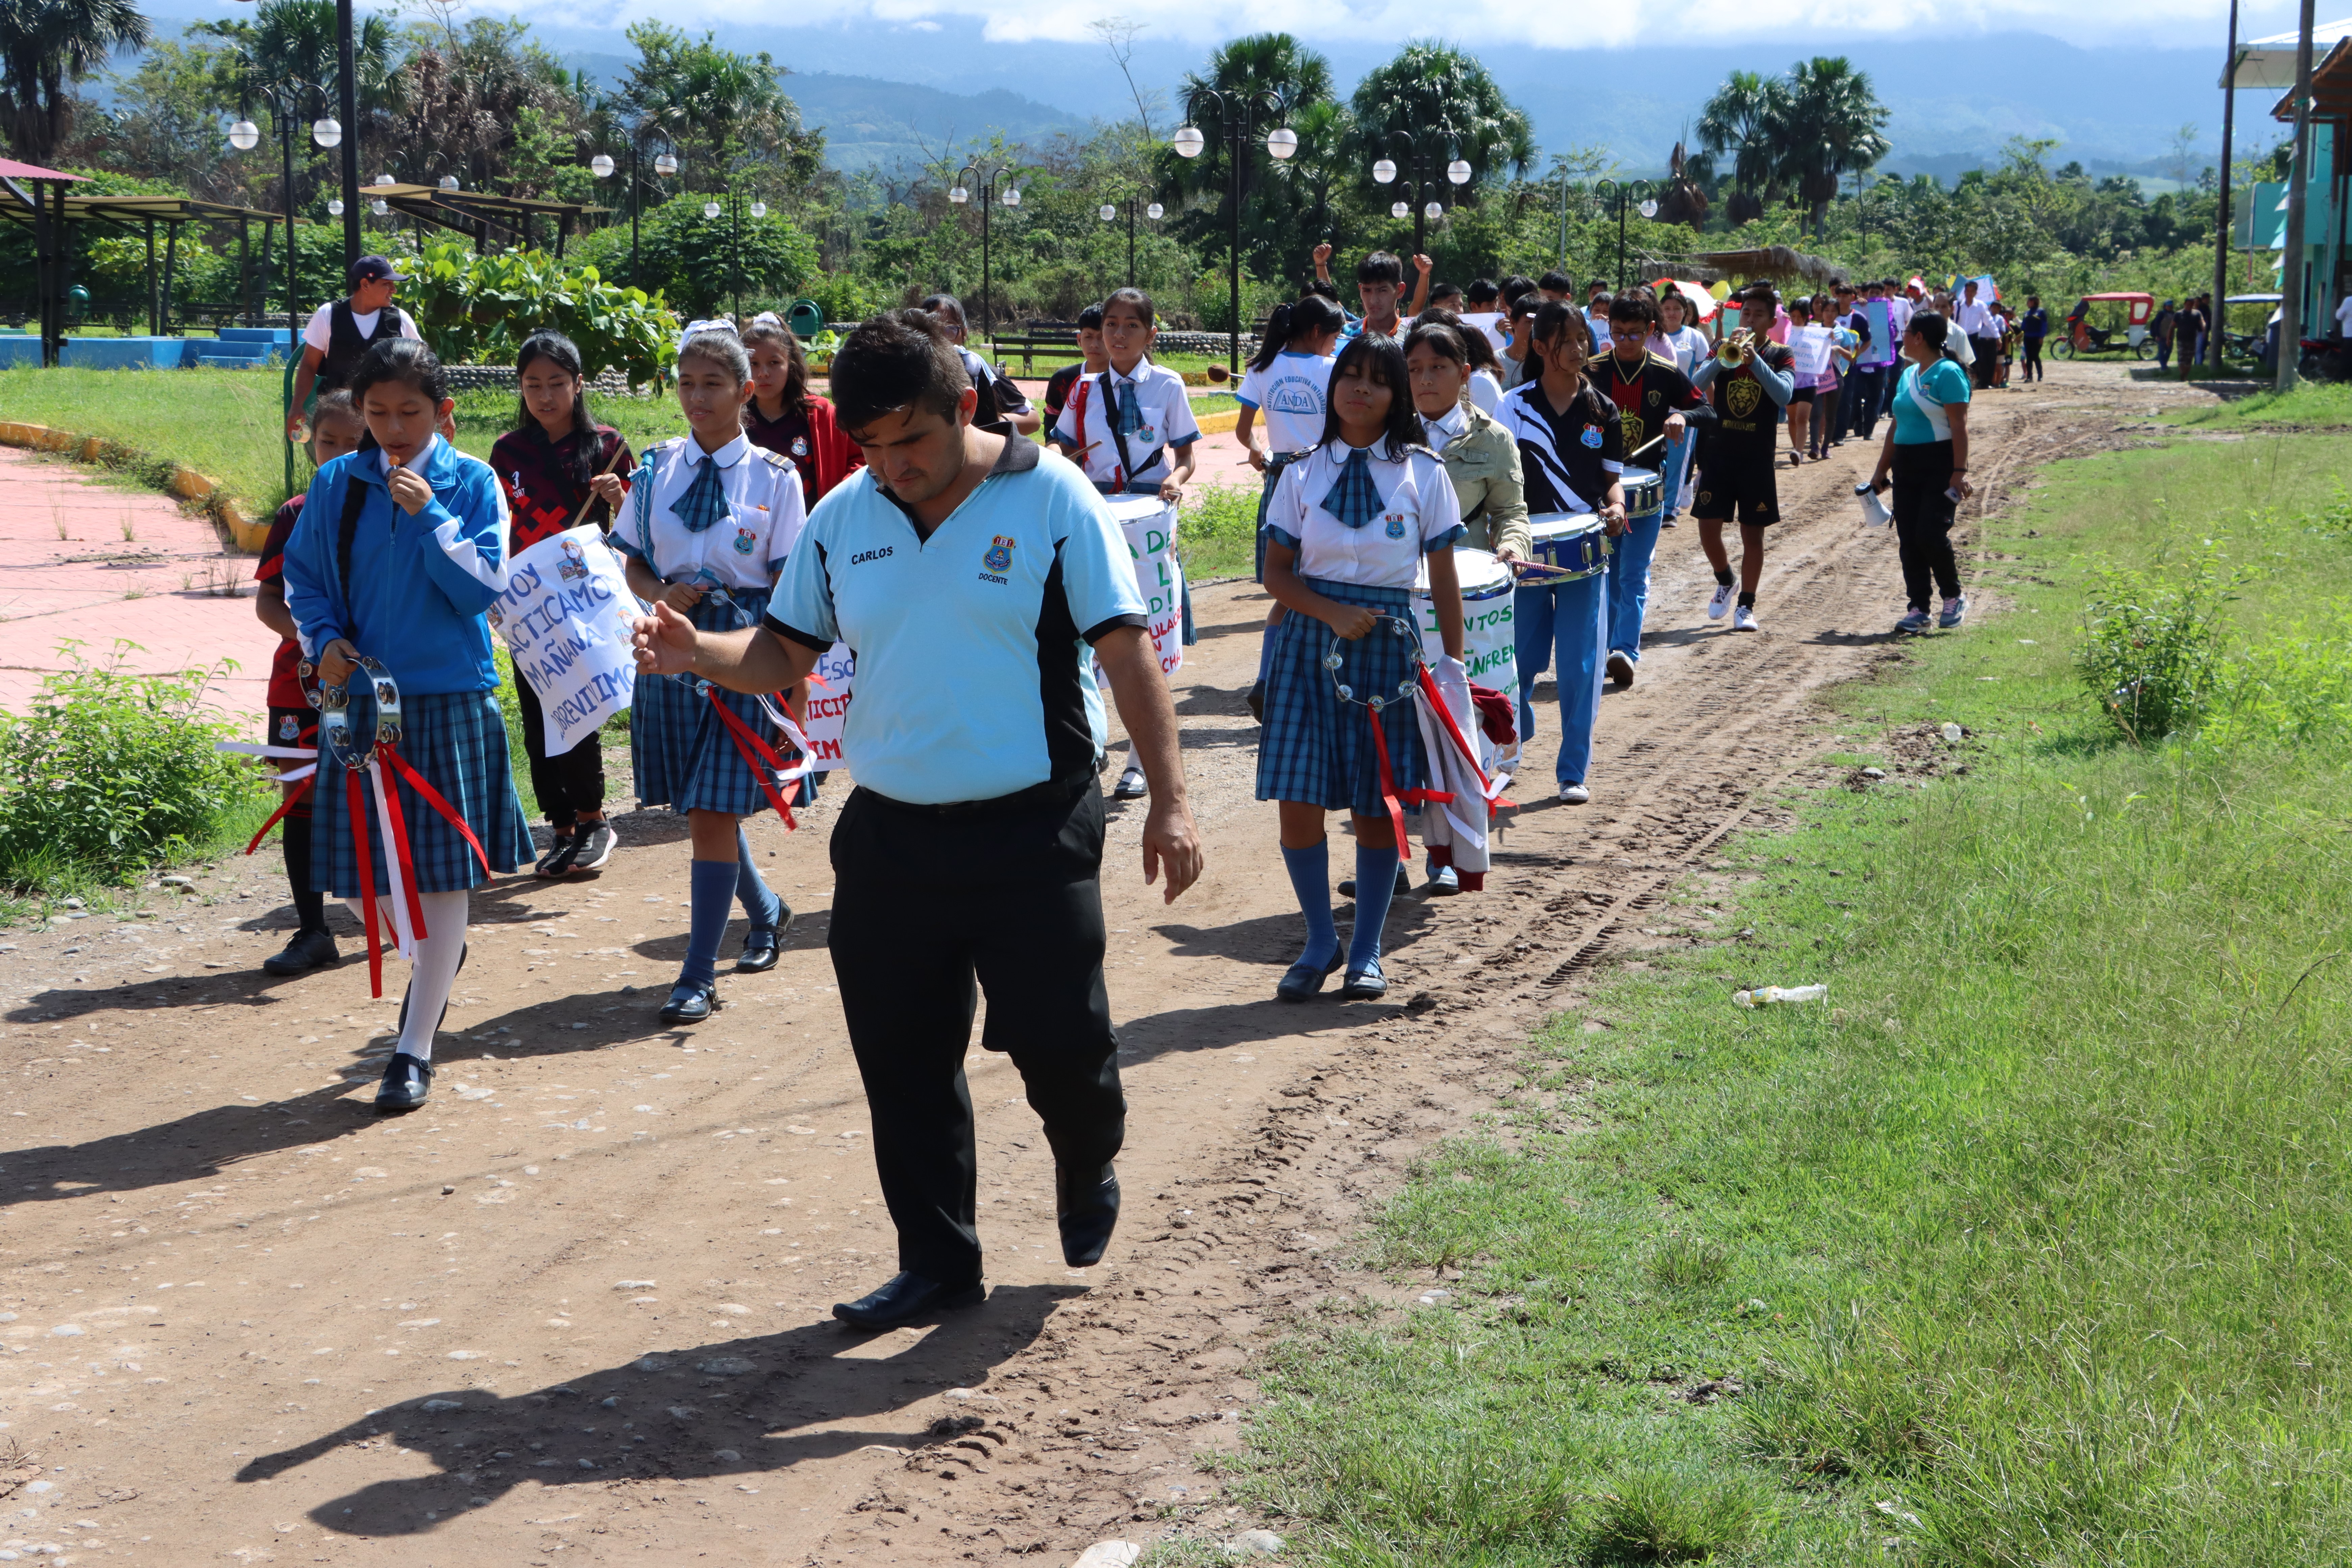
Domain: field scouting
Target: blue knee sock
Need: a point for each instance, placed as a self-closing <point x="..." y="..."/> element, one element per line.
<point x="713" y="897"/>
<point x="761" y="906"/>
<point x="1310" y="879"/>
<point x="1376" y="872"/>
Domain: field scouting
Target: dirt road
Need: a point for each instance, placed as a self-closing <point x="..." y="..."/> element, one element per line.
<point x="576" y="1309"/>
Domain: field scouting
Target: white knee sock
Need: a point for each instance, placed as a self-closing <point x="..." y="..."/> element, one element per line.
<point x="434" y="973"/>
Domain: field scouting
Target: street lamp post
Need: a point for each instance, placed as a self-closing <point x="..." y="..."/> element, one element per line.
<point x="602" y="167"/>
<point x="962" y="192"/>
<point x="285" y="100"/>
<point x="1625" y="194"/>
<point x="1110" y="211"/>
<point x="1234" y="110"/>
<point x="1422" y="191"/>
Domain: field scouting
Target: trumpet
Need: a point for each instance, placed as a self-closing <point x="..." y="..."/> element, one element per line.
<point x="1737" y="347"/>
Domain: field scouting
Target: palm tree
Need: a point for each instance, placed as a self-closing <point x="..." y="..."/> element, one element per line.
<point x="1744" y="118"/>
<point x="45" y="47"/>
<point x="1446" y="103"/>
<point x="1830" y="125"/>
<point x="1299" y="81"/>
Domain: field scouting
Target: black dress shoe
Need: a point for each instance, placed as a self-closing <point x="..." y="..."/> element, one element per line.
<point x="463" y="954"/>
<point x="1302" y="980"/>
<point x="1254" y="700"/>
<point x="1368" y="984"/>
<point x="406" y="1082"/>
<point x="761" y="945"/>
<point x="690" y="1004"/>
<point x="1086" y="1208"/>
<point x="307" y="951"/>
<point x="905" y="1298"/>
<point x="1404" y="882"/>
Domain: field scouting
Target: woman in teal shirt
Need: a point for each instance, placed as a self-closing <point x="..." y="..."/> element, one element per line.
<point x="1927" y="457"/>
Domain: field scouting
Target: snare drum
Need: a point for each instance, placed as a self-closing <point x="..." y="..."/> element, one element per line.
<point x="1570" y="541"/>
<point x="1645" y="494"/>
<point x="1486" y="631"/>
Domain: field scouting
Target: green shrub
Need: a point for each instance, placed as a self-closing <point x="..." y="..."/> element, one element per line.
<point x="477" y="310"/>
<point x="112" y="772"/>
<point x="2151" y="653"/>
<point x="2293" y="688"/>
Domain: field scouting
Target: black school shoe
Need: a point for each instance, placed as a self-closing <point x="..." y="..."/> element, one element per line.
<point x="1086" y="1207"/>
<point x="689" y="1003"/>
<point x="1404" y="882"/>
<point x="406" y="1082"/>
<point x="1254" y="700"/>
<point x="307" y="951"/>
<point x="906" y="1298"/>
<point x="761" y="943"/>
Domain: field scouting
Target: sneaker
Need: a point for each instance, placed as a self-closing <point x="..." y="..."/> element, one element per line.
<point x="1718" y="607"/>
<point x="558" y="859"/>
<point x="1915" y="621"/>
<point x="1955" y="610"/>
<point x="1443" y="883"/>
<point x="1743" y="620"/>
<point x="1670" y="520"/>
<point x="1575" y="794"/>
<point x="595" y="846"/>
<point x="1621" y="669"/>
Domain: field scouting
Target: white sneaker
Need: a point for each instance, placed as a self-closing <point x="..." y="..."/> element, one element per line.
<point x="1716" y="606"/>
<point x="1575" y="794"/>
<point x="1743" y="620"/>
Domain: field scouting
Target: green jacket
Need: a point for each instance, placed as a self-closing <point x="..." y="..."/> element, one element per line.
<point x="1484" y="464"/>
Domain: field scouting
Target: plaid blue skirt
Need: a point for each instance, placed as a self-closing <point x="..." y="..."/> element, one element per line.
<point x="458" y="742"/>
<point x="1317" y="747"/>
<point x="683" y="753"/>
<point x="1274" y="463"/>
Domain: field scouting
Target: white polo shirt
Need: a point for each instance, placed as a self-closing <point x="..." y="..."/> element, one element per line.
<point x="1168" y="422"/>
<point x="1290" y="394"/>
<point x="975" y="679"/>
<point x="742" y="550"/>
<point x="1419" y="513"/>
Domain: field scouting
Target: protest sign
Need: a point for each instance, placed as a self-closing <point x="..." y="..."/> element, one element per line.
<point x="1150" y="526"/>
<point x="828" y="705"/>
<point x="565" y="618"/>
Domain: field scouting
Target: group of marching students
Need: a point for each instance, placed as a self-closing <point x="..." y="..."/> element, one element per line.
<point x="1384" y="444"/>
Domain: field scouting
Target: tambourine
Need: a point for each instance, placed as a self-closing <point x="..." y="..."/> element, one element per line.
<point x="335" y="719"/>
<point x="1335" y="660"/>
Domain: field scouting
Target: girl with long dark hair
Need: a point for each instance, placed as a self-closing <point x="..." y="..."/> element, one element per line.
<point x="786" y="418"/>
<point x="560" y="468"/>
<point x="1346" y="535"/>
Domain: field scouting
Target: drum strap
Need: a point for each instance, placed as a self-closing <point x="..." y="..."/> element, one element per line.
<point x="1127" y="469"/>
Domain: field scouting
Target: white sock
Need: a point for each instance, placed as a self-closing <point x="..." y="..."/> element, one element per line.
<point x="434" y="973"/>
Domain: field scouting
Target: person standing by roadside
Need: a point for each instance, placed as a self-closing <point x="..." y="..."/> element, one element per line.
<point x="2189" y="333"/>
<point x="1925" y="458"/>
<point x="340" y="333"/>
<point x="1975" y="319"/>
<point x="980" y="578"/>
<point x="2162" y="328"/>
<point x="2033" y="327"/>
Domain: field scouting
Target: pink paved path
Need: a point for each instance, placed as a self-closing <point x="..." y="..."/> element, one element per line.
<point x="82" y="560"/>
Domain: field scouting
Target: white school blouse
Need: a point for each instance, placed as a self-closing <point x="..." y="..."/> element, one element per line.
<point x="742" y="550"/>
<point x="1419" y="513"/>
<point x="1289" y="396"/>
<point x="1159" y="398"/>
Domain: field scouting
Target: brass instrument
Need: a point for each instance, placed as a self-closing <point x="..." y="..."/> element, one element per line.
<point x="1738" y="347"/>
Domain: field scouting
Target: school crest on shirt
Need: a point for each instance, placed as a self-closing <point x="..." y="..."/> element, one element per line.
<point x="999" y="558"/>
<point x="800" y="447"/>
<point x="746" y="541"/>
<point x="1745" y="393"/>
<point x="289" y="729"/>
<point x="1592" y="438"/>
<point x="1395" y="522"/>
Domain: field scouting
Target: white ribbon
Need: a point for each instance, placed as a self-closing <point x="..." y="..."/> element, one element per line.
<point x="403" y="937"/>
<point x="288" y="775"/>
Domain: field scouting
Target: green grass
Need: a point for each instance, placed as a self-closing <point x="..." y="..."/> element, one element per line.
<point x="2312" y="404"/>
<point x="2029" y="1245"/>
<point x="1216" y="532"/>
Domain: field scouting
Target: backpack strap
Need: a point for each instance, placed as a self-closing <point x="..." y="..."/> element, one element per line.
<point x="347" y="530"/>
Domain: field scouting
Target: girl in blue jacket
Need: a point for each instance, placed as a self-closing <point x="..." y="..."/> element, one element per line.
<point x="400" y="551"/>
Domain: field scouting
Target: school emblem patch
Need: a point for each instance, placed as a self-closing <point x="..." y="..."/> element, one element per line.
<point x="999" y="558"/>
<point x="289" y="729"/>
<point x="1592" y="436"/>
<point x="1396" y="525"/>
<point x="1634" y="430"/>
<point x="746" y="541"/>
<point x="800" y="447"/>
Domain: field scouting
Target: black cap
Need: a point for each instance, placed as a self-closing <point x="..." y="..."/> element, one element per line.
<point x="374" y="269"/>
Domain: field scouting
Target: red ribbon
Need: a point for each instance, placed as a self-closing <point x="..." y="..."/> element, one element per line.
<point x="1396" y="800"/>
<point x="356" y="795"/>
<point x="747" y="744"/>
<point x="289" y="804"/>
<point x="432" y="798"/>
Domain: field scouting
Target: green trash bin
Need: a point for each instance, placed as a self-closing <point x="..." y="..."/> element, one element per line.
<point x="806" y="318"/>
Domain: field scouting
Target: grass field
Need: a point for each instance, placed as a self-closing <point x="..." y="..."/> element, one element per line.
<point x="2029" y="1245"/>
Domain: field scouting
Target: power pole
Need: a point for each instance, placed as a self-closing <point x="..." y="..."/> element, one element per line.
<point x="2213" y="333"/>
<point x="2298" y="179"/>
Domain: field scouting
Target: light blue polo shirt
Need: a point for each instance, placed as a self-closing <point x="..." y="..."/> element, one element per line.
<point x="974" y="674"/>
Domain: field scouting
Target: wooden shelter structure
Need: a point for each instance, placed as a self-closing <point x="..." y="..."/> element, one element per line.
<point x="478" y="213"/>
<point x="36" y="196"/>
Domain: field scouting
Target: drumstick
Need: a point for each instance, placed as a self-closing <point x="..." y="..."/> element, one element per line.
<point x="618" y="448"/>
<point x="1643" y="447"/>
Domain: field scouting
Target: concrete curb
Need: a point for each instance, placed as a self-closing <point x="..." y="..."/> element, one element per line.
<point x="184" y="482"/>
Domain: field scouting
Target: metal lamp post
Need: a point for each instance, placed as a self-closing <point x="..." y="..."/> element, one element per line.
<point x="1626" y="194"/>
<point x="347" y="105"/>
<point x="1234" y="110"/>
<point x="960" y="194"/>
<point x="1109" y="212"/>
<point x="601" y="165"/>
<point x="1422" y="191"/>
<point x="285" y="100"/>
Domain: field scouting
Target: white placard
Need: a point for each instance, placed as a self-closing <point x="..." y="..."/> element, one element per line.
<point x="828" y="705"/>
<point x="1149" y="525"/>
<point x="565" y="618"/>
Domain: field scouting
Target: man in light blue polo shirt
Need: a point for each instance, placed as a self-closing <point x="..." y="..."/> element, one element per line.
<point x="979" y="580"/>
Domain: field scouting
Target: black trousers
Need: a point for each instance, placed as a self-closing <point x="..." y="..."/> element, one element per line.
<point x="568" y="784"/>
<point x="2031" y="350"/>
<point x="926" y="905"/>
<point x="1865" y="399"/>
<point x="1923" y="520"/>
<point x="1988" y="352"/>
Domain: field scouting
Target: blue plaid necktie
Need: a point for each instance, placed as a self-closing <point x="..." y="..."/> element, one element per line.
<point x="1355" y="500"/>
<point x="1130" y="416"/>
<point x="705" y="500"/>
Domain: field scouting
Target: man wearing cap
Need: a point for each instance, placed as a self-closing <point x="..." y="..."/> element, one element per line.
<point x="340" y="332"/>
